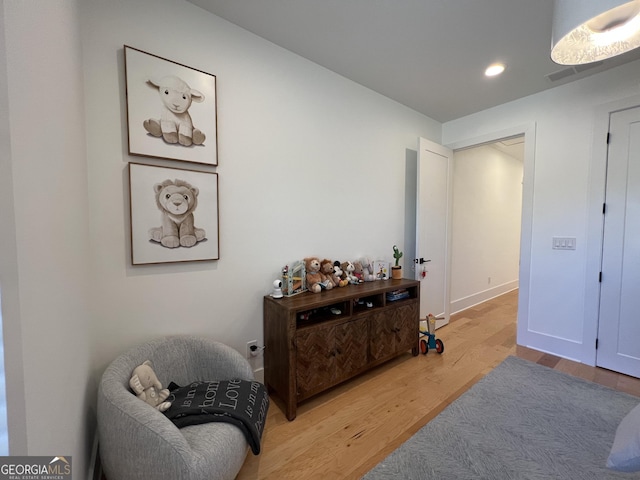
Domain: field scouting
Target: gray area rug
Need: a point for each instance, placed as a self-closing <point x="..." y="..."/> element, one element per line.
<point x="521" y="421"/>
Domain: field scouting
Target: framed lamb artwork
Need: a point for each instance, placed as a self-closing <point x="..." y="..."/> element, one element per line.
<point x="171" y="109"/>
<point x="174" y="214"/>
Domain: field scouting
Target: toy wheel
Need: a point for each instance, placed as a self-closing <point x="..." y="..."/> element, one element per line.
<point x="424" y="347"/>
<point x="439" y="346"/>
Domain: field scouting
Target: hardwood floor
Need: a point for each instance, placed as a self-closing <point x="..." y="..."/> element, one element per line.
<point x="343" y="433"/>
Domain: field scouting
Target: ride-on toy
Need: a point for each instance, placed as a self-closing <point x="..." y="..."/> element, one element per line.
<point x="431" y="341"/>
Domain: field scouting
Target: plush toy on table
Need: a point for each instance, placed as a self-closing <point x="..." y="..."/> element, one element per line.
<point x="326" y="269"/>
<point x="348" y="268"/>
<point x="358" y="271"/>
<point x="367" y="270"/>
<point x="316" y="281"/>
<point x="147" y="387"/>
<point x="337" y="275"/>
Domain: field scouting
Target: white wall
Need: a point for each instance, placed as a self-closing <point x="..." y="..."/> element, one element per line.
<point x="10" y="303"/>
<point x="555" y="318"/>
<point x="309" y="164"/>
<point x="487" y="206"/>
<point x="45" y="289"/>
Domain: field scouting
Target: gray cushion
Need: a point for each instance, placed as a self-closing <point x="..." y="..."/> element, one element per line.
<point x="625" y="452"/>
<point x="137" y="441"/>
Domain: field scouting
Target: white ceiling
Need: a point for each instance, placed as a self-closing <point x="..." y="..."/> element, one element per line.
<point x="427" y="54"/>
<point x="511" y="146"/>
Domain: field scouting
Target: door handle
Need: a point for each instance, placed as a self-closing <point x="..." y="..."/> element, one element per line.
<point x="420" y="261"/>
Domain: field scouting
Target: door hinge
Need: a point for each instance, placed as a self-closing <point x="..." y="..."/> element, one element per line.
<point x="600" y="277"/>
<point x="608" y="137"/>
<point x="596" y="343"/>
<point x="604" y="208"/>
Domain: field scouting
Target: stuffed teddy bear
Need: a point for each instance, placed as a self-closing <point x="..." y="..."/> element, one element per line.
<point x="358" y="271"/>
<point x="326" y="269"/>
<point x="316" y="282"/>
<point x="338" y="278"/>
<point x="148" y="388"/>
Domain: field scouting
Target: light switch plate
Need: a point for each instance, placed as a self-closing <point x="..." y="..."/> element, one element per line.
<point x="564" y="243"/>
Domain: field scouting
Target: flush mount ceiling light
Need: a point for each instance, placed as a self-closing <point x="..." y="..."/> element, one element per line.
<point x="494" y="69"/>
<point x="586" y="31"/>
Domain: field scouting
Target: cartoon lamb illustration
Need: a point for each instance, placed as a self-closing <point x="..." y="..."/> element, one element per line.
<point x="175" y="124"/>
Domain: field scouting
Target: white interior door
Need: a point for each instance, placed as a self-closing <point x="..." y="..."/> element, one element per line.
<point x="433" y="223"/>
<point x="619" y="316"/>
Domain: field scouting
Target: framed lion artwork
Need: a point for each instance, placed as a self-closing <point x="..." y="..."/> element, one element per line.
<point x="174" y="215"/>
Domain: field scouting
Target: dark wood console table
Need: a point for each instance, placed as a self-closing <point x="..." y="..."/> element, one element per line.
<point x="314" y="341"/>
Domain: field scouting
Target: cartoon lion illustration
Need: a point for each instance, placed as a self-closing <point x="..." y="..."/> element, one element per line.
<point x="177" y="200"/>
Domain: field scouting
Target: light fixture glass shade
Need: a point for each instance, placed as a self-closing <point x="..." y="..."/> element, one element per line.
<point x="586" y="31"/>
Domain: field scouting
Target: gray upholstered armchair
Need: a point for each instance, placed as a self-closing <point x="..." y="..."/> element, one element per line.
<point x="137" y="441"/>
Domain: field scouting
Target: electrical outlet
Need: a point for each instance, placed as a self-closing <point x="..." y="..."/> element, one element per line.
<point x="252" y="343"/>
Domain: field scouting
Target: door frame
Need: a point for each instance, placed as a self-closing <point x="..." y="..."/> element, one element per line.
<point x="595" y="221"/>
<point x="528" y="130"/>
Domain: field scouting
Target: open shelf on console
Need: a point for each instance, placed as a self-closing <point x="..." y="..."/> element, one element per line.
<point x="367" y="303"/>
<point x="322" y="313"/>
<point x="400" y="294"/>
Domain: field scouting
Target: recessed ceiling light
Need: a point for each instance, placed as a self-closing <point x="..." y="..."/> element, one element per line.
<point x="494" y="69"/>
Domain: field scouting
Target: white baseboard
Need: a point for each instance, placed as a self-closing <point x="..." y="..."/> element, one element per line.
<point x="477" y="298"/>
<point x="259" y="374"/>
